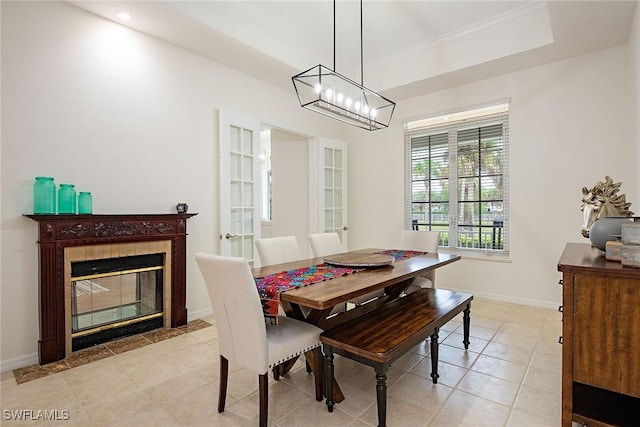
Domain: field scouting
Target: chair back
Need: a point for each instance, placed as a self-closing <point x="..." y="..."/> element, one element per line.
<point x="242" y="336"/>
<point x="323" y="244"/>
<point x="425" y="241"/>
<point x="277" y="250"/>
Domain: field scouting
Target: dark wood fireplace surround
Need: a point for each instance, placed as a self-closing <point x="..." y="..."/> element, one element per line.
<point x="56" y="232"/>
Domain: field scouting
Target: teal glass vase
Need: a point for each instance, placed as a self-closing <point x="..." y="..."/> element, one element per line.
<point x="85" y="202"/>
<point x="67" y="199"/>
<point x="44" y="195"/>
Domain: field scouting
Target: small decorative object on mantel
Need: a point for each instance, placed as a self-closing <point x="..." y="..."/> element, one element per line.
<point x="604" y="212"/>
<point x="182" y="208"/>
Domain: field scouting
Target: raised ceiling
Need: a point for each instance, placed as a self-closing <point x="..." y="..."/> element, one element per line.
<point x="409" y="47"/>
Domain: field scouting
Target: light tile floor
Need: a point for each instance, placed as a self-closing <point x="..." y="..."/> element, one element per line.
<point x="510" y="376"/>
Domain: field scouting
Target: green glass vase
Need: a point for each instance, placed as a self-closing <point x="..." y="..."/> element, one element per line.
<point x="85" y="202"/>
<point x="67" y="199"/>
<point x="44" y="195"/>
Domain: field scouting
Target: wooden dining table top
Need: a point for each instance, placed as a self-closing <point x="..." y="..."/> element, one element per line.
<point x="329" y="293"/>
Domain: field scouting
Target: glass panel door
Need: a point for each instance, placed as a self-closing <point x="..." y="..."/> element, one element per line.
<point x="239" y="185"/>
<point x="333" y="188"/>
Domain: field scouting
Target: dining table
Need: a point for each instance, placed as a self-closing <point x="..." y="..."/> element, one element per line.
<point x="315" y="303"/>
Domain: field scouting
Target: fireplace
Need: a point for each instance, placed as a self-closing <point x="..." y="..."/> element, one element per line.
<point x="115" y="297"/>
<point x="103" y="277"/>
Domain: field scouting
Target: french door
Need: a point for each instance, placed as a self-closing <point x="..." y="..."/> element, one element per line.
<point x="239" y="185"/>
<point x="328" y="181"/>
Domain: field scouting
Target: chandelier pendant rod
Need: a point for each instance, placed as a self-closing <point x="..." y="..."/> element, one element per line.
<point x="361" y="42"/>
<point x="334" y="35"/>
<point x="361" y="50"/>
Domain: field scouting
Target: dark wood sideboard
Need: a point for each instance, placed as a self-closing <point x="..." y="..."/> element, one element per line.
<point x="601" y="339"/>
<point x="56" y="232"/>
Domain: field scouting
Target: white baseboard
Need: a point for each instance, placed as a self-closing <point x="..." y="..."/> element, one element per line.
<point x="18" y="362"/>
<point x="193" y="315"/>
<point x="495" y="297"/>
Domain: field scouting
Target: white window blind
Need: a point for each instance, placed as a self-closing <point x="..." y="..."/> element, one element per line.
<point x="456" y="178"/>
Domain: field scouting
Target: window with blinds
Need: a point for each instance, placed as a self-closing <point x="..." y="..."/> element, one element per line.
<point x="457" y="178"/>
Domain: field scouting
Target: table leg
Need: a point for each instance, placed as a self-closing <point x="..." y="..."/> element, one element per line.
<point x="396" y="290"/>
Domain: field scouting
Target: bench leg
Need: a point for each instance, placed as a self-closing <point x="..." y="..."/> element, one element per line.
<point x="466" y="322"/>
<point x="381" y="394"/>
<point x="434" y="356"/>
<point x="328" y="375"/>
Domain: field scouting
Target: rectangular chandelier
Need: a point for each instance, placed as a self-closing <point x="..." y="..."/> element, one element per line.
<point x="324" y="91"/>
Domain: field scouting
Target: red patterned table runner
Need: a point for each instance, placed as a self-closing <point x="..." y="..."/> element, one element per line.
<point x="401" y="254"/>
<point x="269" y="287"/>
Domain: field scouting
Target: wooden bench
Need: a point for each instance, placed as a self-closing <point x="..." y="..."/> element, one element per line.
<point x="380" y="337"/>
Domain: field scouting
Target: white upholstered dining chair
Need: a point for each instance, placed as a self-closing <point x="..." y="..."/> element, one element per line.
<point x="244" y="338"/>
<point x="425" y="241"/>
<point x="323" y="244"/>
<point x="277" y="250"/>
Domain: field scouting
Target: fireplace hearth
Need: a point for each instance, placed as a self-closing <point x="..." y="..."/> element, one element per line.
<point x="103" y="277"/>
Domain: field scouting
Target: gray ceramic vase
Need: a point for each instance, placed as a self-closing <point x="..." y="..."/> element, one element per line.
<point x="606" y="229"/>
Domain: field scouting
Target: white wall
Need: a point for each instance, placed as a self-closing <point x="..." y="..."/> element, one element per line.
<point x="123" y="115"/>
<point x="634" y="54"/>
<point x="571" y="123"/>
<point x="290" y="187"/>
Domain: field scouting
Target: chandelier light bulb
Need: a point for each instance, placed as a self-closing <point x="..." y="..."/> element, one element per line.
<point x="349" y="101"/>
<point x="340" y="97"/>
<point x="365" y="109"/>
<point x="318" y="88"/>
<point x="357" y="106"/>
<point x="329" y="94"/>
<point x="373" y="113"/>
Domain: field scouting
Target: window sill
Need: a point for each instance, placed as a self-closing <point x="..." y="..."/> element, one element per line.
<point x="478" y="255"/>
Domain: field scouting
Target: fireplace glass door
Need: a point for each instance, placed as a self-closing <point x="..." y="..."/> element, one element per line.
<point x="114" y="292"/>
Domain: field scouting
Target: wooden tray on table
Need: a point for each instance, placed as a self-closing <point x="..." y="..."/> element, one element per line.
<point x="361" y="260"/>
